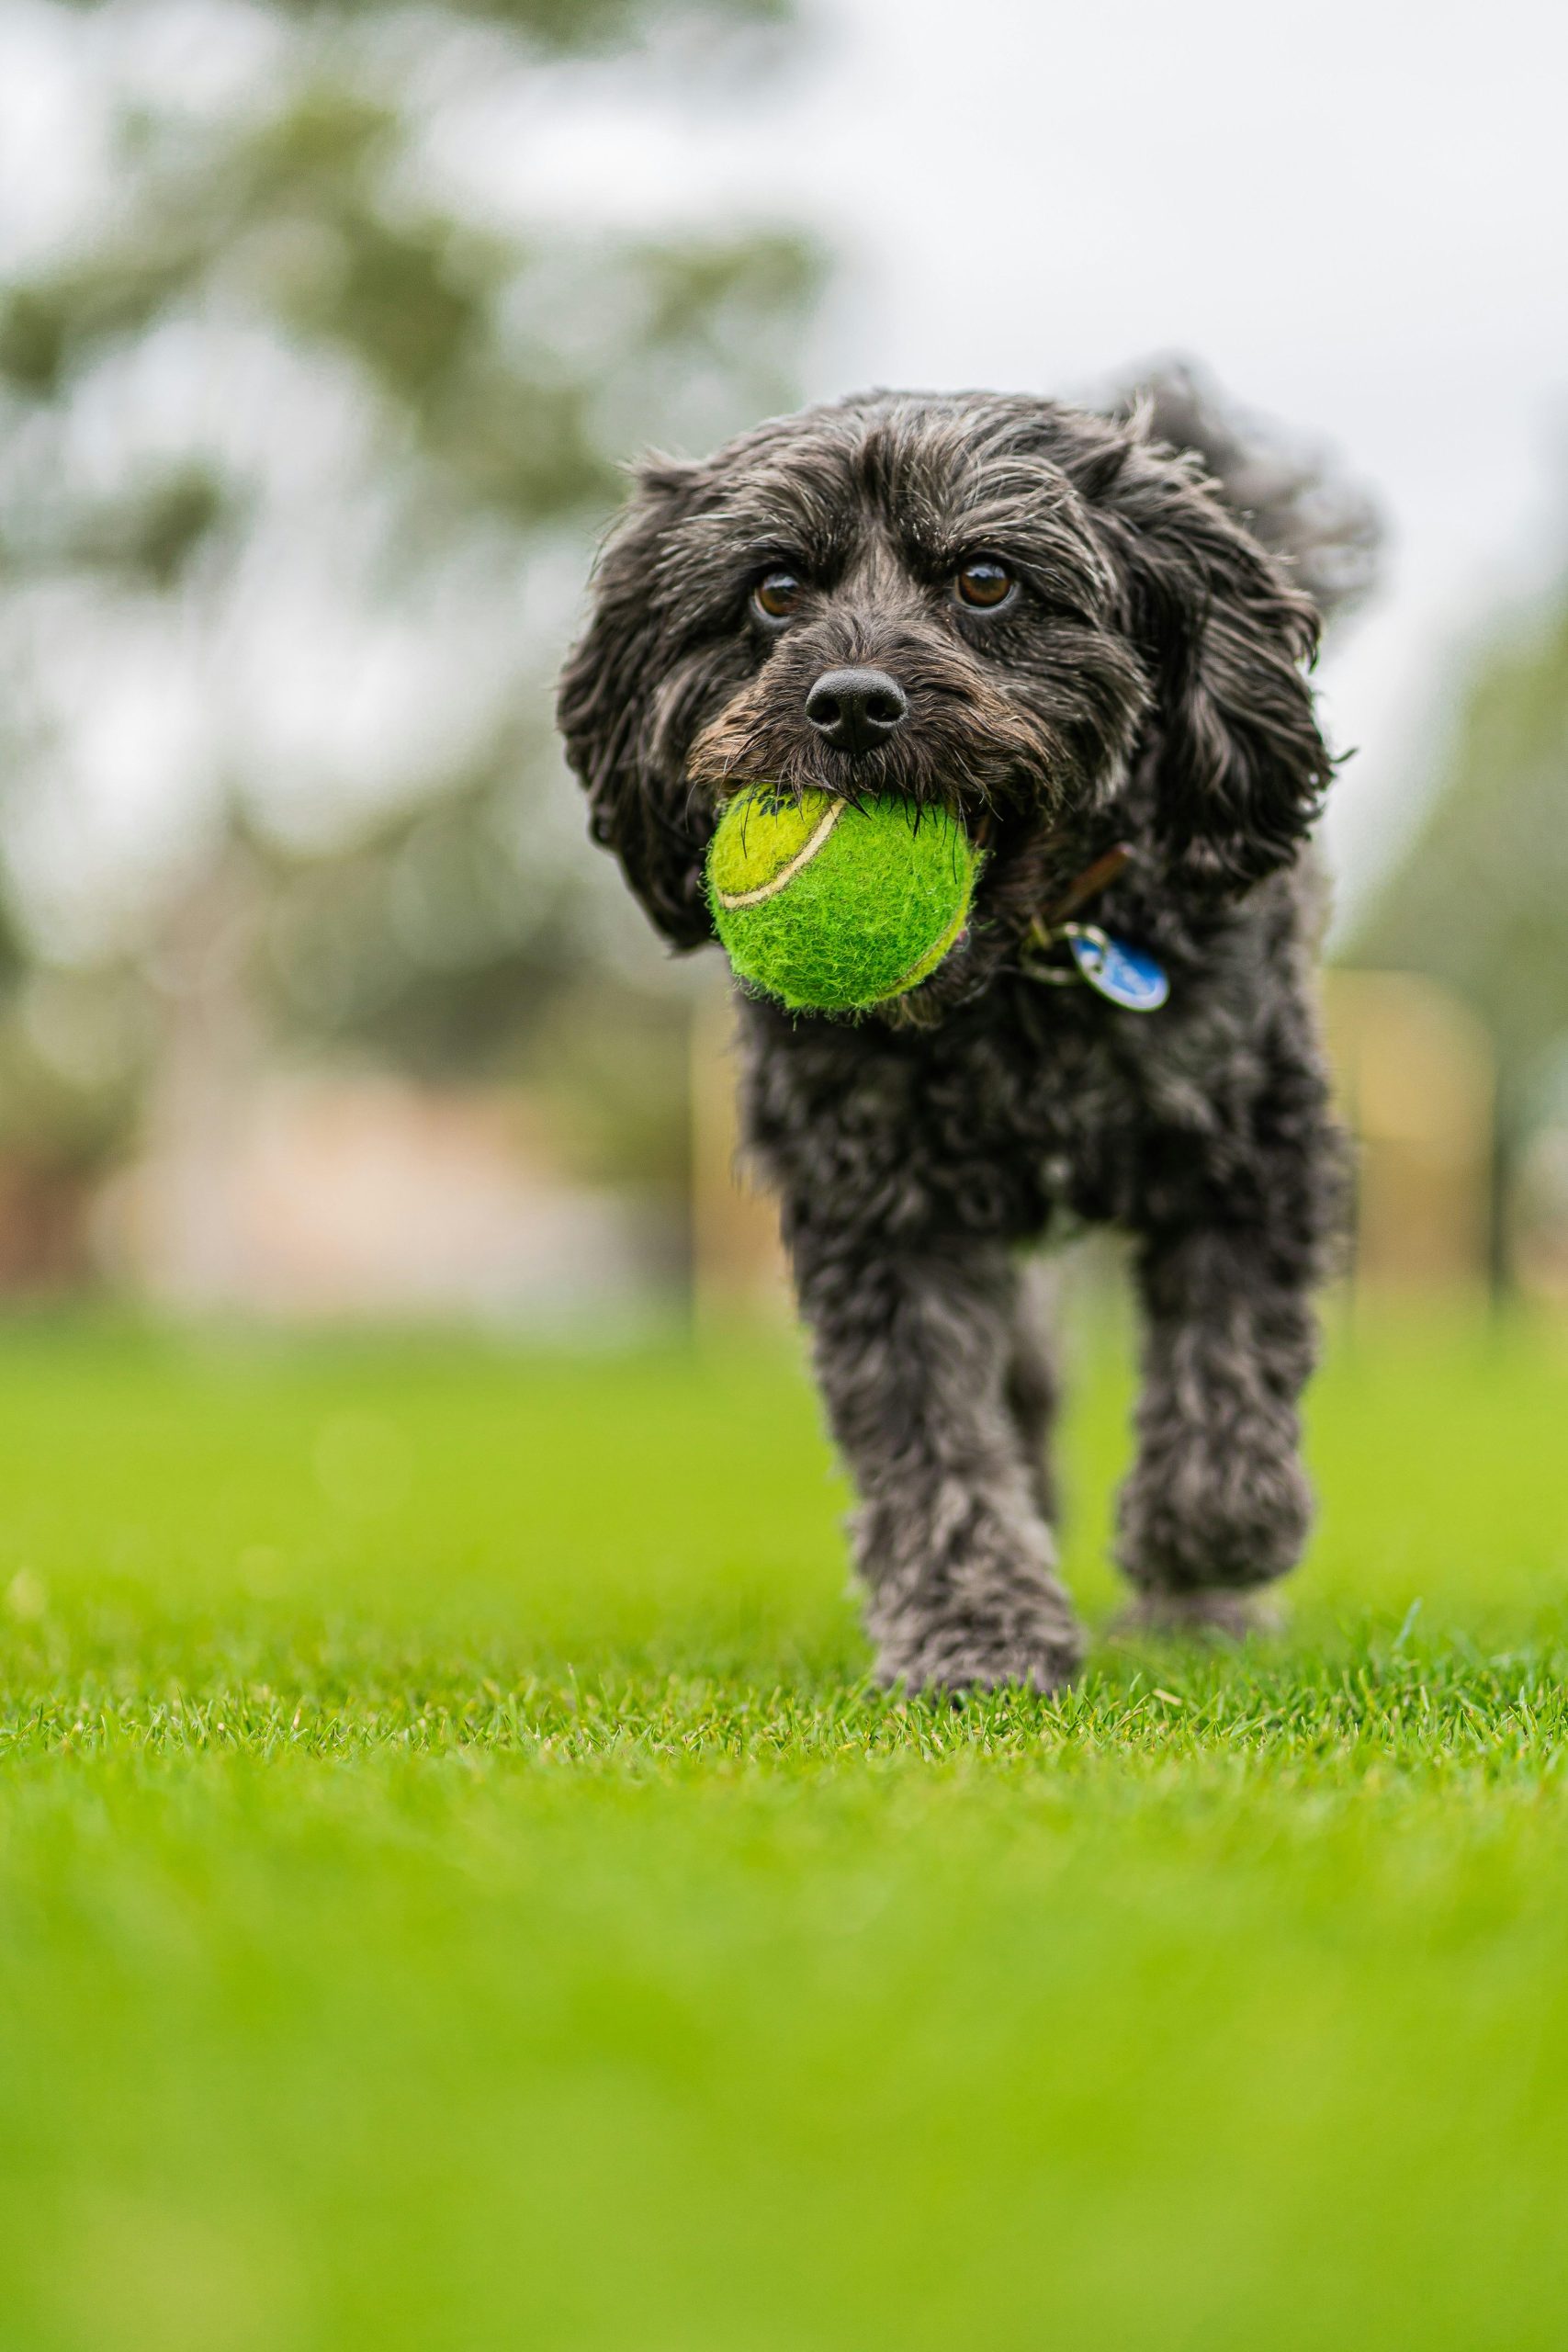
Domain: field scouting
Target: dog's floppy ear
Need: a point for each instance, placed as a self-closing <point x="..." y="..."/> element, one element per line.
<point x="1240" y="766"/>
<point x="608" y="707"/>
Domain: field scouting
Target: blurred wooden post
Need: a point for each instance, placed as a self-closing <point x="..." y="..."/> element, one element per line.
<point x="738" y="1264"/>
<point x="1414" y="1074"/>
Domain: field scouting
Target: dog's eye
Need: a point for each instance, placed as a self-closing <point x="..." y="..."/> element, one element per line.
<point x="984" y="584"/>
<point x="777" y="594"/>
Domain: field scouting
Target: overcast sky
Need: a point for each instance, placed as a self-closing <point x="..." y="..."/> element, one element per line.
<point x="1356" y="214"/>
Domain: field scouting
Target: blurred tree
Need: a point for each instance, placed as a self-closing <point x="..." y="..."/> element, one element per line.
<point x="1480" y="900"/>
<point x="306" y="416"/>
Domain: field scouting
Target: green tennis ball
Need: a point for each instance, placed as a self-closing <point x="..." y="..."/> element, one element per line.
<point x="833" y="907"/>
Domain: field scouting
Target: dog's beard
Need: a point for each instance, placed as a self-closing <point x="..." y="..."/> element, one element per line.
<point x="967" y="747"/>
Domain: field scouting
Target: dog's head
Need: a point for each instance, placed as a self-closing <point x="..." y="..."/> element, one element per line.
<point x="1030" y="613"/>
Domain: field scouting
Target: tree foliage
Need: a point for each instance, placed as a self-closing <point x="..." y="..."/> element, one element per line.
<point x="303" y="439"/>
<point x="1480" y="900"/>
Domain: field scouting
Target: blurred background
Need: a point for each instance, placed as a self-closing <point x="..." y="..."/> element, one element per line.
<point x="324" y="332"/>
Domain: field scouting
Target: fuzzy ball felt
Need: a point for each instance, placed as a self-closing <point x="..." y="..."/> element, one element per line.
<point x="833" y="907"/>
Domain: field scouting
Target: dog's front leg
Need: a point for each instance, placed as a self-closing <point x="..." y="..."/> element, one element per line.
<point x="914" y="1349"/>
<point x="1218" y="1502"/>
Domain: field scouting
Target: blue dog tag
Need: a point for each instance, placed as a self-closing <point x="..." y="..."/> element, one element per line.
<point x="1123" y="974"/>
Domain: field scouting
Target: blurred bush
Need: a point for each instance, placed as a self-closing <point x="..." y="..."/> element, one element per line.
<point x="306" y="417"/>
<point x="1480" y="900"/>
<point x="1480" y="903"/>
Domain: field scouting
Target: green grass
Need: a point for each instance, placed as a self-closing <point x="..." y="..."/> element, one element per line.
<point x="457" y="1889"/>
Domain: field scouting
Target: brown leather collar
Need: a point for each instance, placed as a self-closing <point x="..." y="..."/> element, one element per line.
<point x="1089" y="884"/>
<point x="1055" y="928"/>
<point x="1045" y="930"/>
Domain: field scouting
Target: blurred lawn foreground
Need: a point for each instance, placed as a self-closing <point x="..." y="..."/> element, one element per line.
<point x="456" y="1887"/>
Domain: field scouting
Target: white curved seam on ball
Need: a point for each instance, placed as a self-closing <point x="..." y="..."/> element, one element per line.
<point x="803" y="856"/>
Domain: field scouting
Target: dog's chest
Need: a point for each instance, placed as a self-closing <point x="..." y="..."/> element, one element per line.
<point x="993" y="1124"/>
<point x="1037" y="1115"/>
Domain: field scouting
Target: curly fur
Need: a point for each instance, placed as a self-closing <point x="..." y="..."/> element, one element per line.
<point x="1146" y="684"/>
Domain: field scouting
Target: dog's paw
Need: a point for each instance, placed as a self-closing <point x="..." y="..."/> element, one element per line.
<point x="1195" y="1513"/>
<point x="950" y="1660"/>
<point x="1216" y="1614"/>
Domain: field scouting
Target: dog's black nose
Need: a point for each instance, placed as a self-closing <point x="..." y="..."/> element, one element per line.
<point x="853" y="709"/>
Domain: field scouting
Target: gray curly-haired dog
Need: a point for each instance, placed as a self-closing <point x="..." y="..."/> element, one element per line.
<point x="1086" y="633"/>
